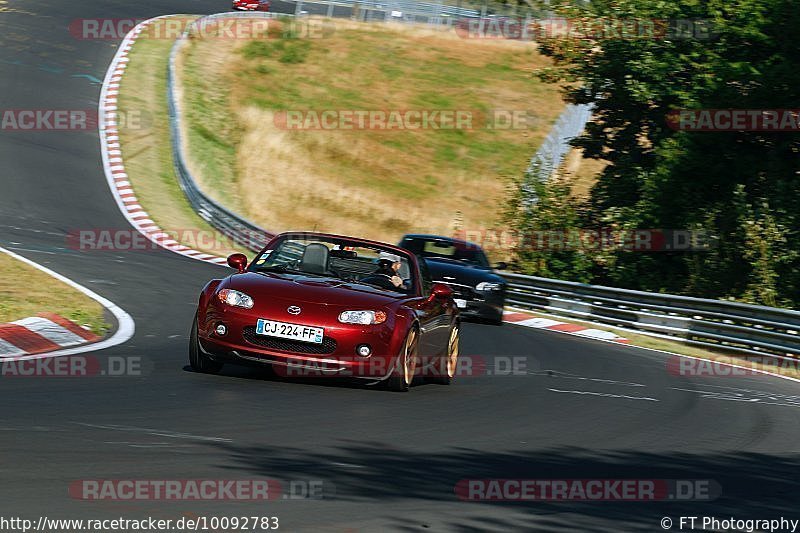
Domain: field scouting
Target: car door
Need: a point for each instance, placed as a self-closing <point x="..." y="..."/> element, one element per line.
<point x="434" y="316"/>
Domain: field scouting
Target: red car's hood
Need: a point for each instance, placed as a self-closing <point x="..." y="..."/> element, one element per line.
<point x="294" y="289"/>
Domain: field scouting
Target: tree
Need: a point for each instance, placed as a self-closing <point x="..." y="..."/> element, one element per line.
<point x="741" y="186"/>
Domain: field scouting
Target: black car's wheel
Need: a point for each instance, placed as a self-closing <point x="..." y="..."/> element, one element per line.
<point x="447" y="365"/>
<point x="406" y="364"/>
<point x="199" y="361"/>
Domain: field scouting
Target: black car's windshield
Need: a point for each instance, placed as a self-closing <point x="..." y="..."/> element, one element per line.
<point x="383" y="268"/>
<point x="447" y="249"/>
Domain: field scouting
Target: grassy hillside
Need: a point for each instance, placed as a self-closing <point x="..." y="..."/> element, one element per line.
<point x="374" y="183"/>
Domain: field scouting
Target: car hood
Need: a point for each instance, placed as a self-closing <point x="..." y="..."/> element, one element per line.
<point x="297" y="289"/>
<point x="451" y="271"/>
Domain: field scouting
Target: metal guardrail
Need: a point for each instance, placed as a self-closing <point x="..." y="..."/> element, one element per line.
<point x="237" y="228"/>
<point x="396" y="9"/>
<point x="731" y="326"/>
<point x="556" y="146"/>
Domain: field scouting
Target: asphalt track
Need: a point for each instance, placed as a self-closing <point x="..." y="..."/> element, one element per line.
<point x="393" y="458"/>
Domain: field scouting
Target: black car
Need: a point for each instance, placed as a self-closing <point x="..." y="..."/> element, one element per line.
<point x="462" y="265"/>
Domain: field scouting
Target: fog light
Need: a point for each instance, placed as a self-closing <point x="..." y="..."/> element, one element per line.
<point x="364" y="350"/>
<point x="221" y="330"/>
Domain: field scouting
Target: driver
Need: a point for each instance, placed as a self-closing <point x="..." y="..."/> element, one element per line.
<point x="389" y="266"/>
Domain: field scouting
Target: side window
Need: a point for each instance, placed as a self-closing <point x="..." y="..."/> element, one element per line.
<point x="427" y="281"/>
<point x="412" y="245"/>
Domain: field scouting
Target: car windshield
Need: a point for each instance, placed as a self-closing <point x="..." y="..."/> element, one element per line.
<point x="447" y="249"/>
<point x="380" y="267"/>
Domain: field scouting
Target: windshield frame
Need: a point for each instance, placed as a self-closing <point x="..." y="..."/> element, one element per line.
<point x="415" y="286"/>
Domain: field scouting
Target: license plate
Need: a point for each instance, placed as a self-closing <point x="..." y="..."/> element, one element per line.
<point x="461" y="304"/>
<point x="284" y="330"/>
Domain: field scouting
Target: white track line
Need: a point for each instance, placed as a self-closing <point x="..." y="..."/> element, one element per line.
<point x="125" y="324"/>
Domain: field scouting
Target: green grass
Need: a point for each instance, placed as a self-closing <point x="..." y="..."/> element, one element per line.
<point x="43" y="293"/>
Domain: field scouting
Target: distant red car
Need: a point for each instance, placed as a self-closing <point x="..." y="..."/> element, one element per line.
<point x="329" y="305"/>
<point x="251" y="5"/>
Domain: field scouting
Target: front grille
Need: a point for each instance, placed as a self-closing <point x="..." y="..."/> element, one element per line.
<point x="328" y="345"/>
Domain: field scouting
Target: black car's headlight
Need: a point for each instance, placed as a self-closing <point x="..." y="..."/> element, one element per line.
<point x="485" y="286"/>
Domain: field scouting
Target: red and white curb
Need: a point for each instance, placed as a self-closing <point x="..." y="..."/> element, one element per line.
<point x="524" y="319"/>
<point x="49" y="335"/>
<point x="46" y="332"/>
<point x="113" y="163"/>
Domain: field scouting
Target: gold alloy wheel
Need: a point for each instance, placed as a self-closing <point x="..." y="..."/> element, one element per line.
<point x="452" y="353"/>
<point x="410" y="357"/>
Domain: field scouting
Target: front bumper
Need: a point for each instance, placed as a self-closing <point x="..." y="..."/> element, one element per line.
<point x="335" y="356"/>
<point x="374" y="368"/>
<point x="487" y="305"/>
<point x="486" y="310"/>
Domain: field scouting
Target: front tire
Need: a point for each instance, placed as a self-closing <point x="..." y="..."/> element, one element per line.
<point x="199" y="361"/>
<point x="447" y="365"/>
<point x="406" y="364"/>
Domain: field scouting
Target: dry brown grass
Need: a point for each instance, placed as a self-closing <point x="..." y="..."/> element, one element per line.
<point x="581" y="173"/>
<point x="377" y="184"/>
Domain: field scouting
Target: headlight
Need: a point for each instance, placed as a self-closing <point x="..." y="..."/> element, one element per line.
<point x="488" y="286"/>
<point x="362" y="317"/>
<point x="235" y="298"/>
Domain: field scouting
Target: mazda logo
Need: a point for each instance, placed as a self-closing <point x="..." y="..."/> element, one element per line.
<point x="294" y="310"/>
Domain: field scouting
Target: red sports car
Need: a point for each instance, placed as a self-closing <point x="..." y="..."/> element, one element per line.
<point x="318" y="304"/>
<point x="251" y="5"/>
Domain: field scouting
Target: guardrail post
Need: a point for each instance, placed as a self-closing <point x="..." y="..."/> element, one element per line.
<point x="330" y="10"/>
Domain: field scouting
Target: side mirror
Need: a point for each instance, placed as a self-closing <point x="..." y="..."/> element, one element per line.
<point x="238" y="261"/>
<point x="501" y="265"/>
<point x="440" y="291"/>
